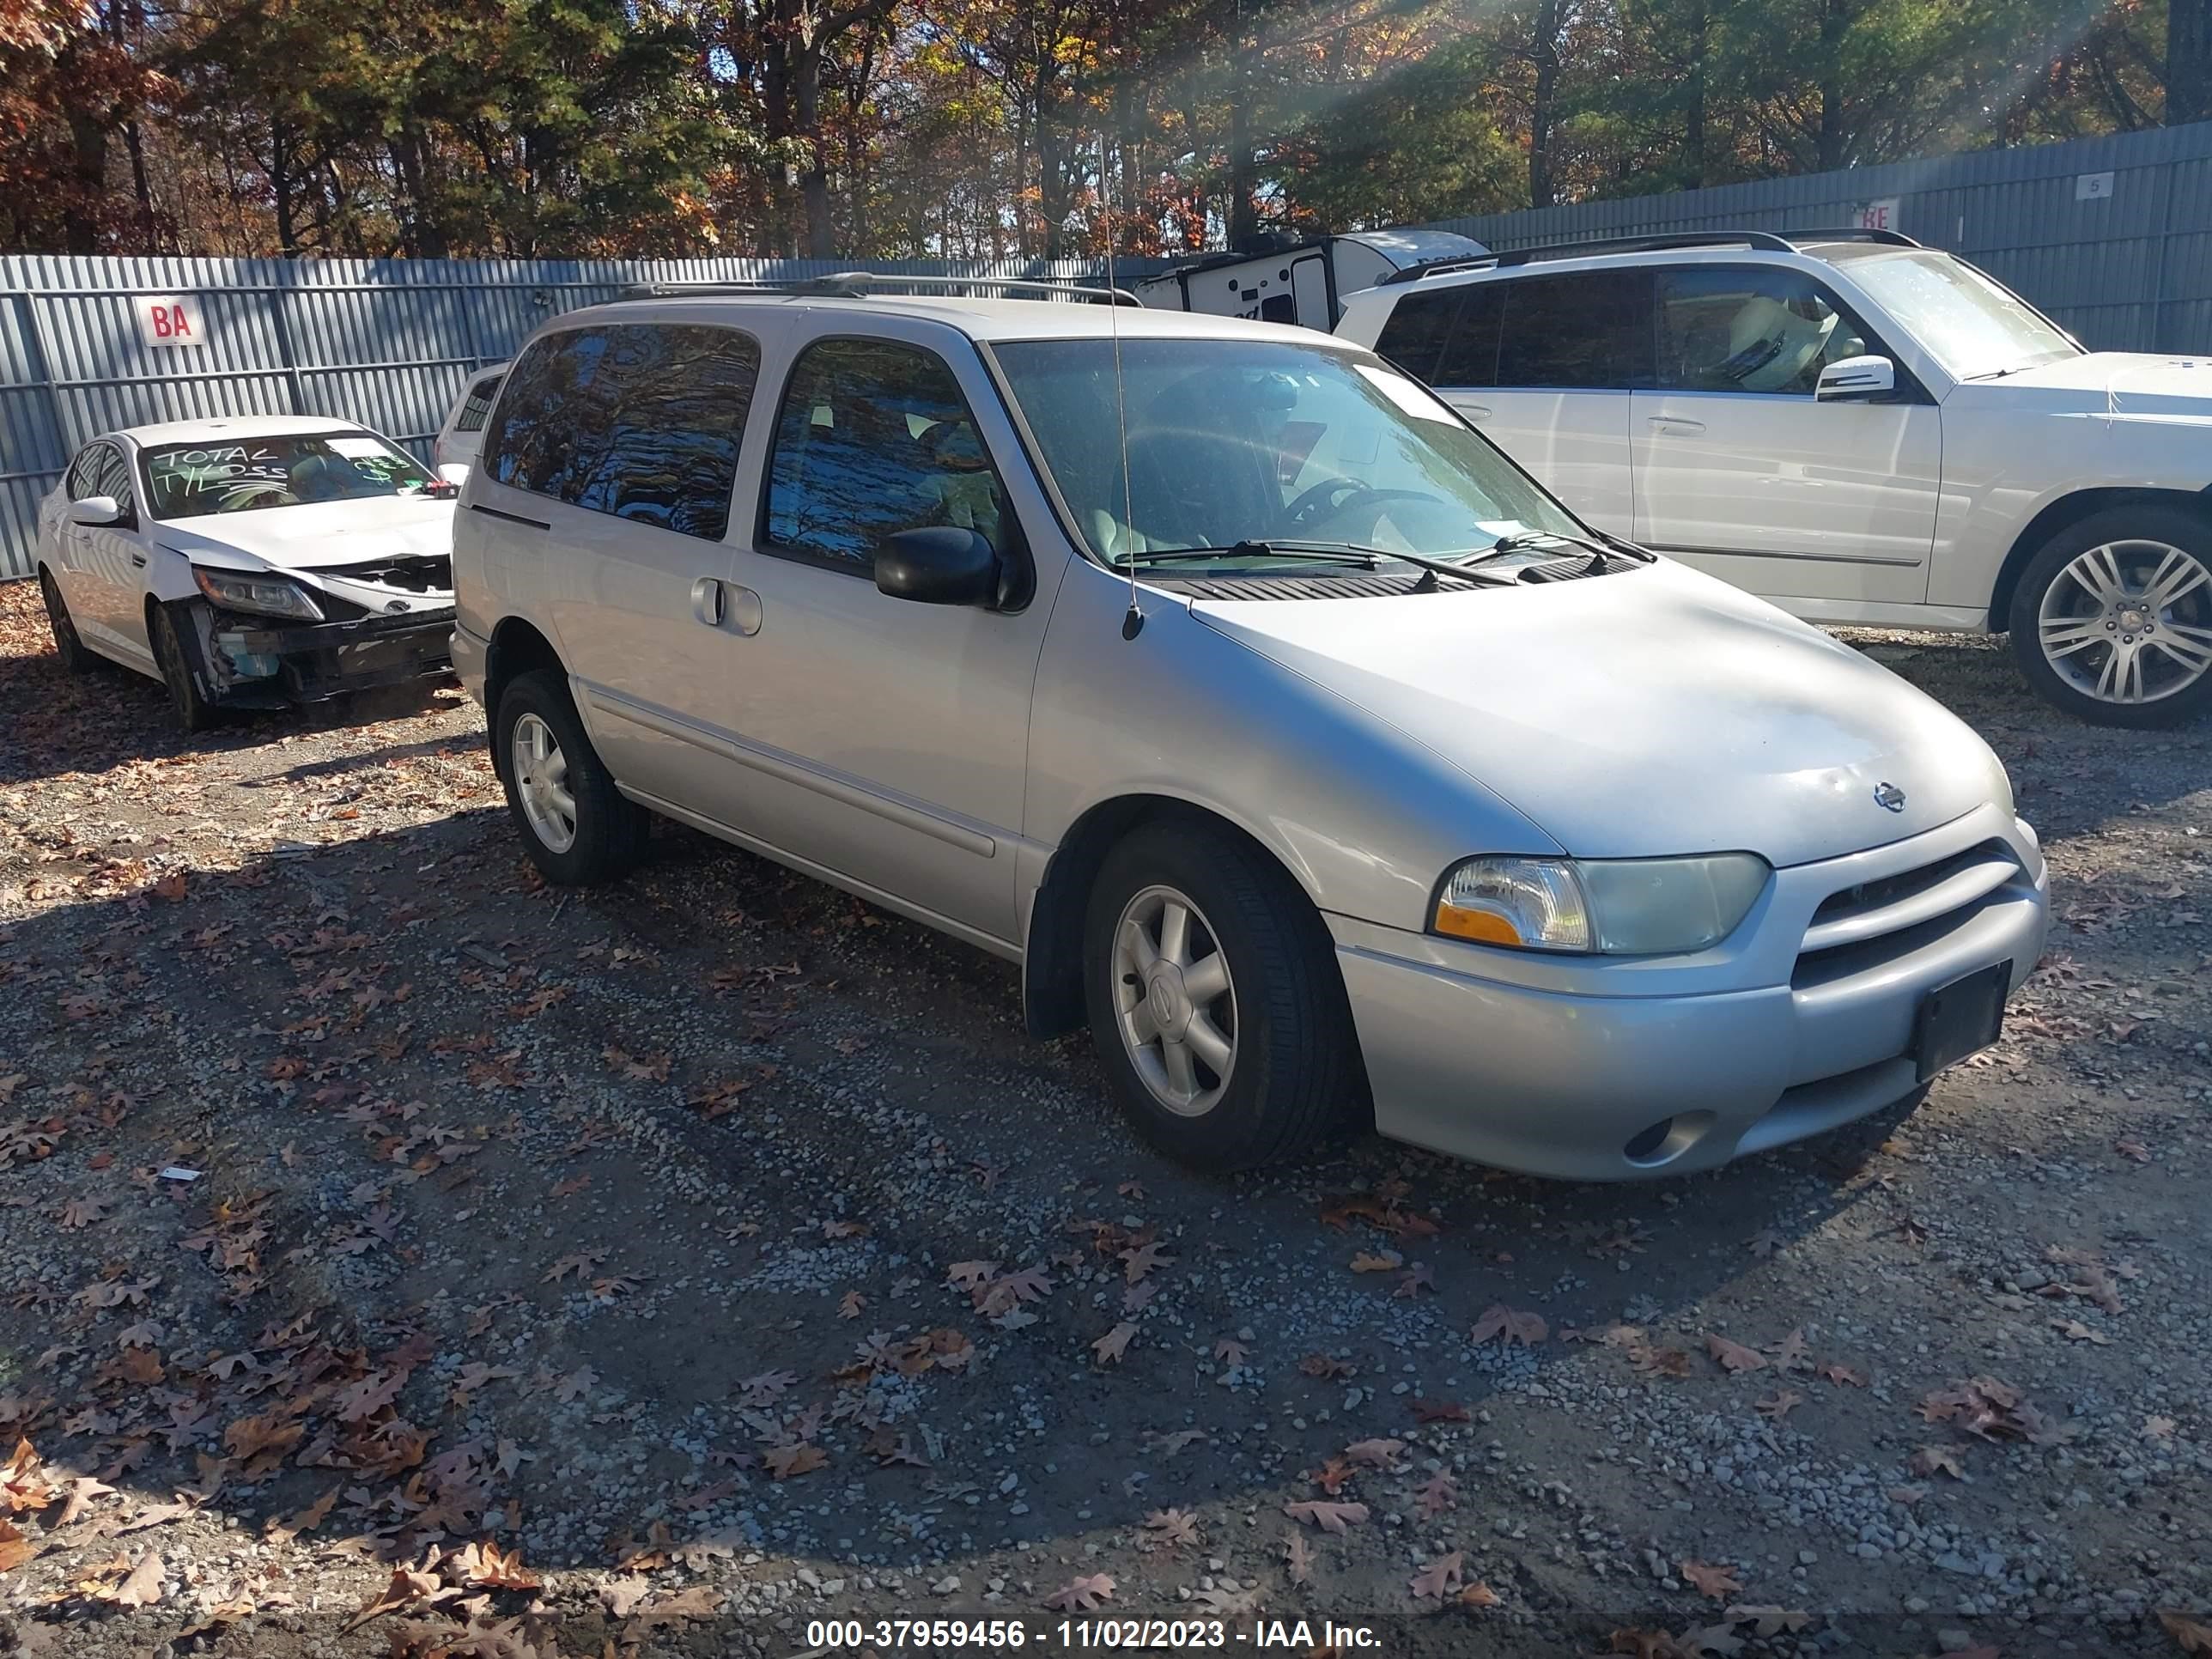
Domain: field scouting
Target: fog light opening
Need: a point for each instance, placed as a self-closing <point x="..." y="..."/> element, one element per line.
<point x="1662" y="1142"/>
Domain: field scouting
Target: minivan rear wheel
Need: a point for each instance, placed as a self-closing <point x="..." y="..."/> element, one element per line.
<point x="1214" y="1000"/>
<point x="579" y="828"/>
<point x="2112" y="619"/>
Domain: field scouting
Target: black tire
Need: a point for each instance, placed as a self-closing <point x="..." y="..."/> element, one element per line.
<point x="2072" y="683"/>
<point x="611" y="830"/>
<point x="188" y="706"/>
<point x="1295" y="1071"/>
<point x="76" y="657"/>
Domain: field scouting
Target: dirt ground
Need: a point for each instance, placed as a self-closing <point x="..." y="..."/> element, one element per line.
<point x="674" y="1268"/>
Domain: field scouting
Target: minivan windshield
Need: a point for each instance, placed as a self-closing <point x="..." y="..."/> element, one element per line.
<point x="1252" y="441"/>
<point x="1977" y="327"/>
<point x="185" y="481"/>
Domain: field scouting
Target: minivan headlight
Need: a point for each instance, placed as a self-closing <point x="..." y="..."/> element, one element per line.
<point x="1612" y="907"/>
<point x="268" y="596"/>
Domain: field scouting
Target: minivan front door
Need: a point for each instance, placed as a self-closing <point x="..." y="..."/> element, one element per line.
<point x="884" y="742"/>
<point x="1742" y="473"/>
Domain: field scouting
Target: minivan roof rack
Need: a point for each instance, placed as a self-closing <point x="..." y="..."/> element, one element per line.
<point x="1765" y="240"/>
<point x="859" y="284"/>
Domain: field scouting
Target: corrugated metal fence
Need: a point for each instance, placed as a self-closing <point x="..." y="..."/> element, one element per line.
<point x="2112" y="236"/>
<point x="386" y="341"/>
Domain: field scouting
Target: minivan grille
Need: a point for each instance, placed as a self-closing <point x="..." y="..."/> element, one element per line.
<point x="1875" y="921"/>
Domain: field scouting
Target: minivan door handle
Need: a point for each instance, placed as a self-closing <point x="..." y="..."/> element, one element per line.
<point x="1677" y="424"/>
<point x="706" y="601"/>
<point x="1474" y="412"/>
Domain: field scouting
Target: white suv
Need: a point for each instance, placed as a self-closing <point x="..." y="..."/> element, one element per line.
<point x="1859" y="428"/>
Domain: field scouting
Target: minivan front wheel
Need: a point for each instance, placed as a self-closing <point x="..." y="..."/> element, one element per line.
<point x="578" y="828"/>
<point x="2113" y="620"/>
<point x="1214" y="1000"/>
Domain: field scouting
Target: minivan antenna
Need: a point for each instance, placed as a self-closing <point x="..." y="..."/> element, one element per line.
<point x="1133" y="621"/>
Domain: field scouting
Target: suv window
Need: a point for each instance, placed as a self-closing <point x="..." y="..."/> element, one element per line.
<point x="1587" y="330"/>
<point x="1448" y="337"/>
<point x="875" y="437"/>
<point x="638" y="420"/>
<point x="1750" y="329"/>
<point x="478" y="405"/>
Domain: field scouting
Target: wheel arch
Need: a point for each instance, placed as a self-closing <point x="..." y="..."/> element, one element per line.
<point x="1052" y="961"/>
<point x="2063" y="514"/>
<point x="517" y="647"/>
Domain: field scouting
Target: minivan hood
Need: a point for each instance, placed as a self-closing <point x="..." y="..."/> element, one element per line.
<point x="1650" y="712"/>
<point x="318" y="535"/>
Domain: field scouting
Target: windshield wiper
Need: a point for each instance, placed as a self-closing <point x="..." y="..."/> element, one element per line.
<point x="1522" y="540"/>
<point x="1320" y="552"/>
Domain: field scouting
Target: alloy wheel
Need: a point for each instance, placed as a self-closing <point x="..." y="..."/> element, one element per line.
<point x="1175" y="1001"/>
<point x="2128" y="622"/>
<point x="541" y="783"/>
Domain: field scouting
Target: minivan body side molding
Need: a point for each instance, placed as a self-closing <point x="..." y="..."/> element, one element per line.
<point x="1809" y="558"/>
<point x="876" y="895"/>
<point x="791" y="769"/>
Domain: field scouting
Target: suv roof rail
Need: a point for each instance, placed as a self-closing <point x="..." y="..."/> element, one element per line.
<point x="1765" y="240"/>
<point x="859" y="284"/>
<point x="1852" y="234"/>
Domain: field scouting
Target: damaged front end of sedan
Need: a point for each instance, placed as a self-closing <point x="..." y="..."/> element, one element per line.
<point x="272" y="639"/>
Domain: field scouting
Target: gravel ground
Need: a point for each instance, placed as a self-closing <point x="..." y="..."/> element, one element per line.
<point x="665" y="1268"/>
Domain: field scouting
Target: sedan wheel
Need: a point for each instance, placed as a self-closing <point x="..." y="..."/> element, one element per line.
<point x="67" y="646"/>
<point x="541" y="780"/>
<point x="2128" y="622"/>
<point x="1176" y="1002"/>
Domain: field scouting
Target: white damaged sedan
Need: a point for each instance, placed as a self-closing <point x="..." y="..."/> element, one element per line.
<point x="252" y="562"/>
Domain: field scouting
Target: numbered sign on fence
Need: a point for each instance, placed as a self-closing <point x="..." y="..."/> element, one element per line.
<point x="169" y="320"/>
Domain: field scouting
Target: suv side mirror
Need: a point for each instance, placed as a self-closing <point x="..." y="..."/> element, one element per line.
<point x="1854" y="380"/>
<point x="940" y="564"/>
<point x="95" y="510"/>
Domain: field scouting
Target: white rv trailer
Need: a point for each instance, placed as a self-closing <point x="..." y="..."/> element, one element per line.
<point x="1301" y="283"/>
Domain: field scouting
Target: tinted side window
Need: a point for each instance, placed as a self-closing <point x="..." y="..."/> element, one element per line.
<point x="638" y="420"/>
<point x="1591" y="330"/>
<point x="478" y="405"/>
<point x="1750" y="330"/>
<point x="874" y="437"/>
<point x="114" y="479"/>
<point x="1415" y="334"/>
<point x="83" y="472"/>
<point x="1471" y="355"/>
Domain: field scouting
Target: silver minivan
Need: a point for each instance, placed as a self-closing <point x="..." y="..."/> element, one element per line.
<point x="1277" y="725"/>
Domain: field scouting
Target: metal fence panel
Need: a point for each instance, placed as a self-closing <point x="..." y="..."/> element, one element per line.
<point x="2125" y="263"/>
<point x="389" y="343"/>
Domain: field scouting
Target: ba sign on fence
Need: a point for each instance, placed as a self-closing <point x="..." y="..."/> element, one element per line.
<point x="1876" y="215"/>
<point x="169" y="320"/>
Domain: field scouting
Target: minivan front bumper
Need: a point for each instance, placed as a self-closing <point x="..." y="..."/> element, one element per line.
<point x="1606" y="1071"/>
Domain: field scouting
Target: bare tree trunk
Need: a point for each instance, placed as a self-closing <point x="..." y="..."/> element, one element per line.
<point x="814" y="181"/>
<point x="1544" y="105"/>
<point x="1243" y="168"/>
<point x="2188" y="61"/>
<point x="1832" y="146"/>
<point x="149" y="236"/>
<point x="1693" y="114"/>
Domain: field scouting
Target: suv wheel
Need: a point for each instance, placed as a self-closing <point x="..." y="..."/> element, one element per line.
<point x="2113" y="620"/>
<point x="580" y="829"/>
<point x="1214" y="1000"/>
<point x="188" y="705"/>
<point x="75" y="659"/>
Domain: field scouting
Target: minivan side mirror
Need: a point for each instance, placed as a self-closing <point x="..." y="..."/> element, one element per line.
<point x="938" y="564"/>
<point x="1850" y="379"/>
<point x="95" y="511"/>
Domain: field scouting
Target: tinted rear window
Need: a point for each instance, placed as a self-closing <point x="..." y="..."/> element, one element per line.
<point x="1587" y="330"/>
<point x="639" y="420"/>
<point x="1415" y="334"/>
<point x="478" y="405"/>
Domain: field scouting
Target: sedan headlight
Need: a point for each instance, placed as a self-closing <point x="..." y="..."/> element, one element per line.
<point x="268" y="596"/>
<point x="1613" y="907"/>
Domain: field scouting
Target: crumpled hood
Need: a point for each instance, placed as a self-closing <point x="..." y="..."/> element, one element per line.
<point x="1650" y="712"/>
<point x="315" y="536"/>
<point x="2123" y="383"/>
